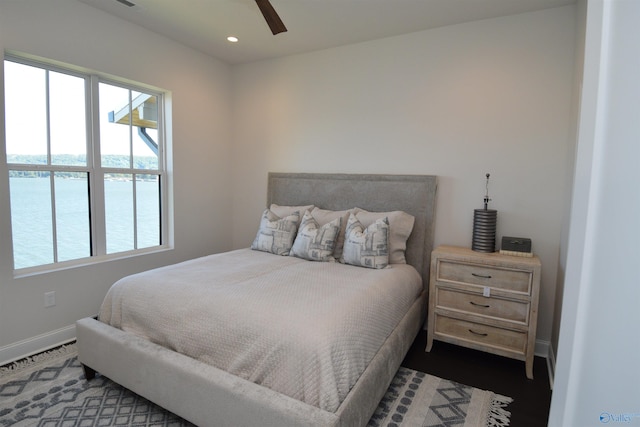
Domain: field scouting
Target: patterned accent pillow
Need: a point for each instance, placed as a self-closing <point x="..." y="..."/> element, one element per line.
<point x="366" y="247"/>
<point x="400" y="227"/>
<point x="276" y="234"/>
<point x="315" y="242"/>
<point x="324" y="216"/>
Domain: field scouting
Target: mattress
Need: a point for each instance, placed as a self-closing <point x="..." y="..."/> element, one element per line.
<point x="302" y="328"/>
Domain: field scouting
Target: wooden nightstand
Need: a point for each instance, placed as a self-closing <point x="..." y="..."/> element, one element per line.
<point x="485" y="301"/>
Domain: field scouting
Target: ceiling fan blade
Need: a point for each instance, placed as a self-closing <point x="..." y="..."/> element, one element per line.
<point x="271" y="16"/>
<point x="126" y="3"/>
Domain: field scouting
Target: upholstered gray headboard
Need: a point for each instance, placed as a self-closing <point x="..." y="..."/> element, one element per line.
<point x="414" y="194"/>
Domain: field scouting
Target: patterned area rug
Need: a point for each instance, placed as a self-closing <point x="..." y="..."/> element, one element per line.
<point x="50" y="390"/>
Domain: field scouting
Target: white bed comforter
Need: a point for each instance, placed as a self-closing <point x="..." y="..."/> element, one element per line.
<point x="305" y="329"/>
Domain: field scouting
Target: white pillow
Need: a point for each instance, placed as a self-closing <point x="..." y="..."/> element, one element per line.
<point x="324" y="216"/>
<point x="276" y="234"/>
<point x="366" y="247"/>
<point x="315" y="242"/>
<point x="283" y="211"/>
<point x="400" y="227"/>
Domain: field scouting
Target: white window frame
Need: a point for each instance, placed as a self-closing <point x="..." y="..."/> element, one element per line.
<point x="96" y="172"/>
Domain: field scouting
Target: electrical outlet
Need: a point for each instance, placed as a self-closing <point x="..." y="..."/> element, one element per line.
<point x="49" y="299"/>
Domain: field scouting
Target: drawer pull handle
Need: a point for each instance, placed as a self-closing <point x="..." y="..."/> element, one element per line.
<point x="479" y="305"/>
<point x="478" y="333"/>
<point x="482" y="276"/>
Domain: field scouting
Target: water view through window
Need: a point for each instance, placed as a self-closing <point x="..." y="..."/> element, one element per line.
<point x="31" y="218"/>
<point x="74" y="193"/>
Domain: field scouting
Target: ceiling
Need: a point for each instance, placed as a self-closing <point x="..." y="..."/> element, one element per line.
<point x="312" y="24"/>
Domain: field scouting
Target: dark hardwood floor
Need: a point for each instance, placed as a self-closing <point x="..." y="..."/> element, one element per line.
<point x="531" y="398"/>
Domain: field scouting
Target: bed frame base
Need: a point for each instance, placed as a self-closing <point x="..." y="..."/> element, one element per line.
<point x="207" y="396"/>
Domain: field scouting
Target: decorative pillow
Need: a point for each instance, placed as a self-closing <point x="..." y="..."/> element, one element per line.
<point x="400" y="227"/>
<point x="283" y="211"/>
<point x="366" y="247"/>
<point x="323" y="216"/>
<point x="276" y="234"/>
<point x="315" y="242"/>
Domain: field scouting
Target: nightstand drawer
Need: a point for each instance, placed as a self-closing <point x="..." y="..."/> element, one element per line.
<point x="481" y="334"/>
<point x="483" y="275"/>
<point x="477" y="304"/>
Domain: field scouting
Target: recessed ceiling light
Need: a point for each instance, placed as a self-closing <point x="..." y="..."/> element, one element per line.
<point x="232" y="39"/>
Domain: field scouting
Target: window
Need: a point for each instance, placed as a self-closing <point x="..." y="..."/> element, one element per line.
<point x="86" y="164"/>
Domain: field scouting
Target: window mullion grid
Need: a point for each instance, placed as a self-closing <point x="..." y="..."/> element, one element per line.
<point x="90" y="173"/>
<point x="130" y="129"/>
<point x="133" y="175"/>
<point x="161" y="204"/>
<point x="162" y="166"/>
<point x="135" y="211"/>
<point x="54" y="228"/>
<point x="96" y="179"/>
<point x="48" y="115"/>
<point x="52" y="186"/>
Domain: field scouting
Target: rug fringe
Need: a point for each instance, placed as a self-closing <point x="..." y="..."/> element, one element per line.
<point x="30" y="362"/>
<point x="498" y="416"/>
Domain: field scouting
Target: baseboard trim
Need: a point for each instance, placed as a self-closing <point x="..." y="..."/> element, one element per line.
<point x="37" y="344"/>
<point x="542" y="348"/>
<point x="551" y="366"/>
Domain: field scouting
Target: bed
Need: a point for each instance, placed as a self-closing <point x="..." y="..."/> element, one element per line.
<point x="207" y="393"/>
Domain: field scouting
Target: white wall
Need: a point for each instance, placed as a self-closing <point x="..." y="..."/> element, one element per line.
<point x="460" y="101"/>
<point x="581" y="12"/>
<point x="597" y="377"/>
<point x="72" y="32"/>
